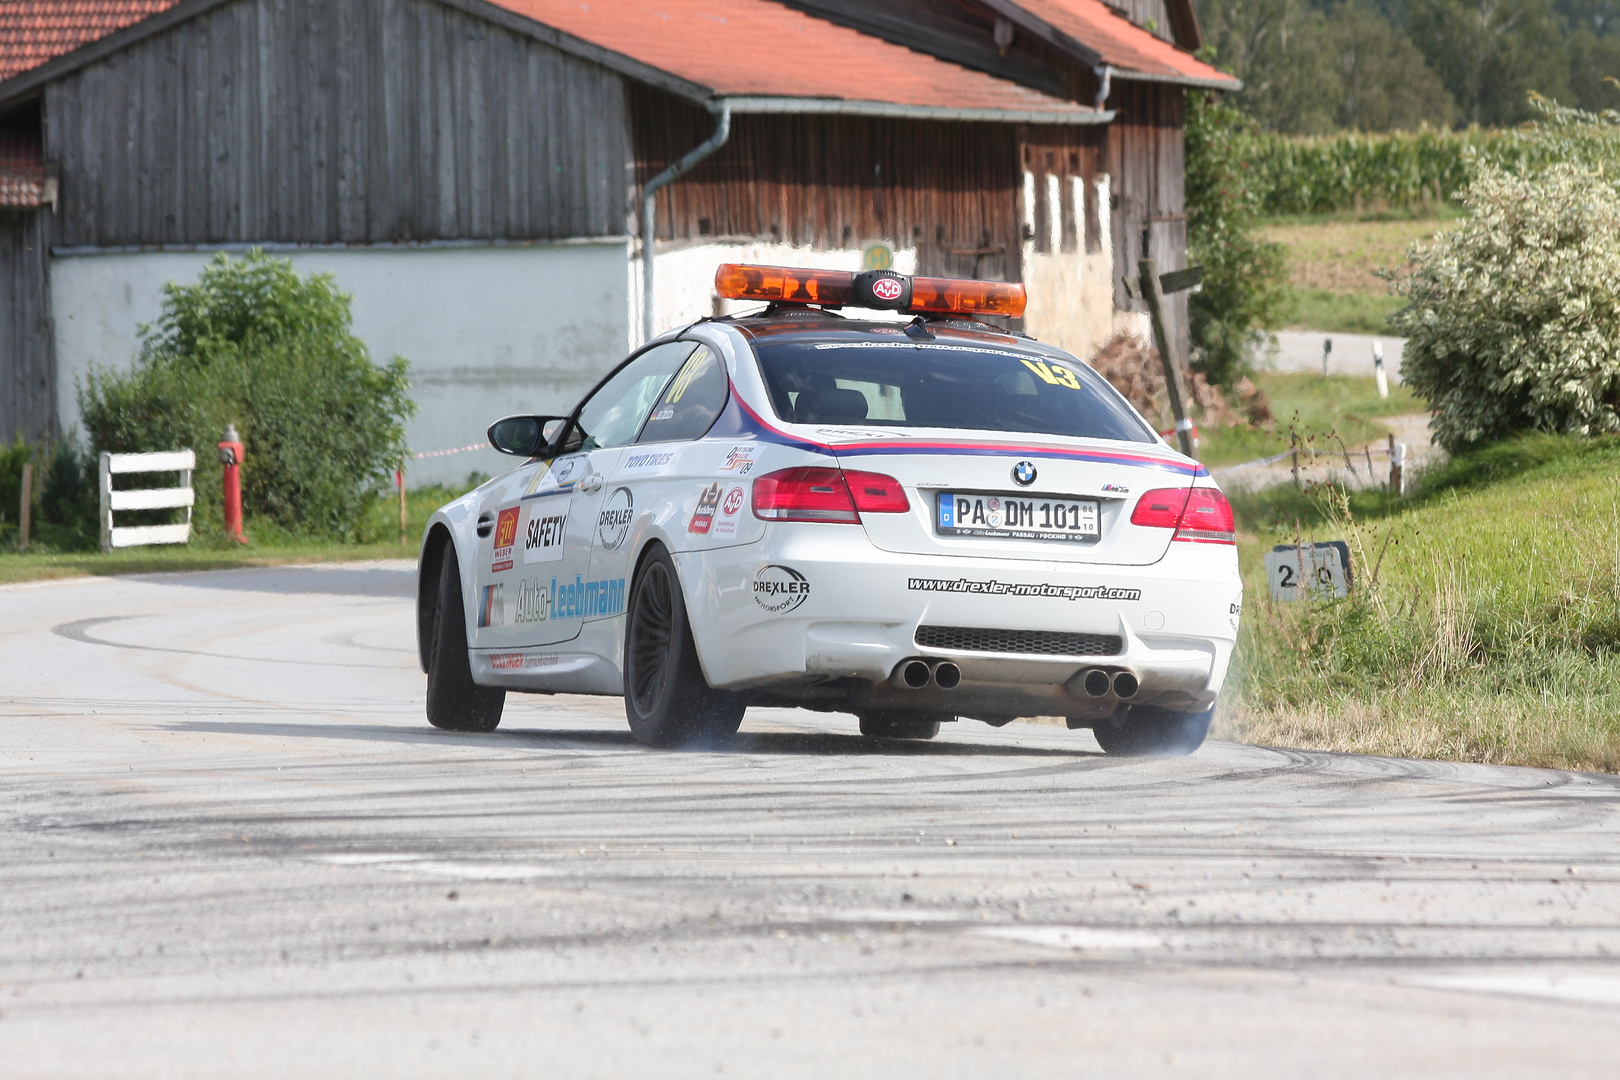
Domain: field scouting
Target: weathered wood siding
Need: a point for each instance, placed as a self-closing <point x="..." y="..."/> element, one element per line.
<point x="27" y="371"/>
<point x="365" y="121"/>
<point x="1146" y="161"/>
<point x="1153" y="15"/>
<point x="947" y="189"/>
<point x="1067" y="153"/>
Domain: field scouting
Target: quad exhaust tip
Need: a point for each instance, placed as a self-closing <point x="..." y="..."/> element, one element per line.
<point x="919" y="675"/>
<point x="1100" y="683"/>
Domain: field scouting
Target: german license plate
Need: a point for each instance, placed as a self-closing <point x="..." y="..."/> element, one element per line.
<point x="1015" y="517"/>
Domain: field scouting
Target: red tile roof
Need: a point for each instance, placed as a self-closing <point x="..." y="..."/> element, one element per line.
<point x="34" y="31"/>
<point x="1121" y="43"/>
<point x="758" y="47"/>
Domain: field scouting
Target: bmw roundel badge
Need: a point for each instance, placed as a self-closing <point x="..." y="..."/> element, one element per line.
<point x="1024" y="473"/>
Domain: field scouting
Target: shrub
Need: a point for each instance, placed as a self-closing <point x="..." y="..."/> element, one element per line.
<point x="1244" y="285"/>
<point x="1513" y="317"/>
<point x="252" y="343"/>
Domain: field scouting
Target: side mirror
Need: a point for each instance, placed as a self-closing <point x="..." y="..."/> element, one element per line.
<point x="525" y="436"/>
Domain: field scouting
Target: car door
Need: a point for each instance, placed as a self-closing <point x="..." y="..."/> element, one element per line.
<point x="662" y="475"/>
<point x="536" y="585"/>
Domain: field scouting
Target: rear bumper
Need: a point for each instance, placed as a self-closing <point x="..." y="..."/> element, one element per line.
<point x="860" y="609"/>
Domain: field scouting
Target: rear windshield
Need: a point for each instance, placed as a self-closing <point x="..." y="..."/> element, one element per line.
<point x="906" y="383"/>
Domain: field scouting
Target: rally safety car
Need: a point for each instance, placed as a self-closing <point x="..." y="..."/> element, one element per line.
<point x="914" y="522"/>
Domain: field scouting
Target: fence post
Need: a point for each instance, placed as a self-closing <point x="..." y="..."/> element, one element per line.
<point x="399" y="478"/>
<point x="25" y="512"/>
<point x="1153" y="294"/>
<point x="106" y="501"/>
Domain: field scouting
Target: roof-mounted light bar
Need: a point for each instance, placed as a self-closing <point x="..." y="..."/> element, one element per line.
<point x="879" y="289"/>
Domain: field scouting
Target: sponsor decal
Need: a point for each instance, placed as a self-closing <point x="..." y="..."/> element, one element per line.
<point x="1013" y="588"/>
<point x="516" y="661"/>
<point x="780" y="588"/>
<point x="887" y="288"/>
<point x="581" y="599"/>
<point x="739" y="460"/>
<point x="731" y="504"/>
<point x="1119" y="489"/>
<point x="885" y="330"/>
<point x="533" y="602"/>
<point x="555" y="476"/>
<point x="647" y="461"/>
<point x="665" y="413"/>
<point x="506" y="527"/>
<point x="491" y="606"/>
<point x="703" y="516"/>
<point x="543" y="535"/>
<point x="613" y="520"/>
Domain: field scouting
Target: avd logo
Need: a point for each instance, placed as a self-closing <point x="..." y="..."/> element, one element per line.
<point x="887" y="288"/>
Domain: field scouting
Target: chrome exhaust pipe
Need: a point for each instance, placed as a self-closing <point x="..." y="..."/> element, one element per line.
<point x="1125" y="685"/>
<point x="1096" y="682"/>
<point x="947" y="676"/>
<point x="911" y="675"/>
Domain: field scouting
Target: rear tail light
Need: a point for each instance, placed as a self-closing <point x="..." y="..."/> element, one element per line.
<point x="1200" y="515"/>
<point x="817" y="494"/>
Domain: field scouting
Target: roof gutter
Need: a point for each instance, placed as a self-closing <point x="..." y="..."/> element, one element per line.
<point x="649" y="208"/>
<point x="802" y="106"/>
<point x="1229" y="83"/>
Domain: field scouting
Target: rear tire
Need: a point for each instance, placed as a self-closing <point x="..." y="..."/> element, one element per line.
<point x="454" y="701"/>
<point x="879" y="726"/>
<point x="666" y="698"/>
<point x="1150" y="732"/>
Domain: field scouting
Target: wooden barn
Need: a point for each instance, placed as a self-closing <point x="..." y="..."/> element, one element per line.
<point x="472" y="171"/>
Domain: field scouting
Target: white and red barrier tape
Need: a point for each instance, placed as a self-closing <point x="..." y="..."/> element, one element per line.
<point x="446" y="453"/>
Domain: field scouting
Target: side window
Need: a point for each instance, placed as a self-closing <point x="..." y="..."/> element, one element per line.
<point x="694" y="399"/>
<point x="613" y="414"/>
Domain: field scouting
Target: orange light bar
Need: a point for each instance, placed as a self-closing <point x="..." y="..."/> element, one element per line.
<point x="793" y="285"/>
<point x="950" y="296"/>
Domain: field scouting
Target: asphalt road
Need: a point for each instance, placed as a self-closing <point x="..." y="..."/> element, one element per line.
<point x="231" y="846"/>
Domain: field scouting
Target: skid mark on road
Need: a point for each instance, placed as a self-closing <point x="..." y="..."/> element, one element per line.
<point x="79" y="630"/>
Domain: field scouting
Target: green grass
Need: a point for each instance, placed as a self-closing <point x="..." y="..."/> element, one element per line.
<point x="1341" y="312"/>
<point x="1317" y="408"/>
<point x="1485" y="625"/>
<point x="210" y="550"/>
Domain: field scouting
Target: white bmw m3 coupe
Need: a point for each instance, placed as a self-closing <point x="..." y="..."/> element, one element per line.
<point x="910" y="522"/>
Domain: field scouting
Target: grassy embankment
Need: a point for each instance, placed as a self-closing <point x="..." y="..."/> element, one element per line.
<point x="1330" y="414"/>
<point x="209" y="550"/>
<point x="1332" y="259"/>
<point x="1484" y="626"/>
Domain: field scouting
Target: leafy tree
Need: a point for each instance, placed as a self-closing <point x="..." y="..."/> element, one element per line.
<point x="1384" y="84"/>
<point x="1244" y="284"/>
<point x="252" y="343"/>
<point x="1491" y="54"/>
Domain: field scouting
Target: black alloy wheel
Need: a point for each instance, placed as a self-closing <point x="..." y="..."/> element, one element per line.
<point x="1149" y="732"/>
<point x="901" y="726"/>
<point x="454" y="701"/>
<point x="667" y="700"/>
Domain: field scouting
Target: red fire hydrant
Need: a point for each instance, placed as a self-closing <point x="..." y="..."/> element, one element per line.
<point x="230" y="454"/>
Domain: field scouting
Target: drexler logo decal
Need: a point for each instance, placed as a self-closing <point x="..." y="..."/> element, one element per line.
<point x="613" y="521"/>
<point x="780" y="588"/>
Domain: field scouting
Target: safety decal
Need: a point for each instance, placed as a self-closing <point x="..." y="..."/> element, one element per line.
<point x="613" y="520"/>
<point x="731" y="504"/>
<point x="491" y="606"/>
<point x="506" y="527"/>
<point x="778" y="589"/>
<point x="543" y="535"/>
<point x="703" y="517"/>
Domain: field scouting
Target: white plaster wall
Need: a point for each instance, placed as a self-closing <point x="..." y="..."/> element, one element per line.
<point x="487" y="330"/>
<point x="683" y="277"/>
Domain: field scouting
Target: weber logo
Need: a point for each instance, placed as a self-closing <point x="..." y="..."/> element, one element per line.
<point x="506" y="527"/>
<point x="780" y="588"/>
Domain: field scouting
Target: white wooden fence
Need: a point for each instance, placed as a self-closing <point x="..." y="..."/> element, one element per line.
<point x="117" y="536"/>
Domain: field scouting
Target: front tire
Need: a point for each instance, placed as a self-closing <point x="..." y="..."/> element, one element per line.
<point x="454" y="701"/>
<point x="1150" y="732"/>
<point x="666" y="697"/>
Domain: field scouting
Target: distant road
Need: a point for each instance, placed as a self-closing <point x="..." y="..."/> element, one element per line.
<point x="231" y="847"/>
<point x="1301" y="350"/>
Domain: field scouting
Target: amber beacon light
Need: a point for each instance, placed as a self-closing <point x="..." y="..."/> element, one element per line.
<point x="869" y="289"/>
